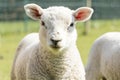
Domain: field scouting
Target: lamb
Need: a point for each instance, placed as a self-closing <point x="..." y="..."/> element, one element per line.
<point x="51" y="54"/>
<point x="103" y="62"/>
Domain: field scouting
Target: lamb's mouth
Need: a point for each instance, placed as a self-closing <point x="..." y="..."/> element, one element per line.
<point x="55" y="46"/>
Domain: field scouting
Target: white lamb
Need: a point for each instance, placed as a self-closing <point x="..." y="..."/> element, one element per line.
<point x="51" y="54"/>
<point x="103" y="62"/>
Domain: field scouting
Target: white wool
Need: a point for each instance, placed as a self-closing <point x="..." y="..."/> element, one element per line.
<point x="50" y="54"/>
<point x="104" y="58"/>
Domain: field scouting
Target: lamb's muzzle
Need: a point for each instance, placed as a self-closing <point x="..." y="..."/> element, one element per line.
<point x="55" y="43"/>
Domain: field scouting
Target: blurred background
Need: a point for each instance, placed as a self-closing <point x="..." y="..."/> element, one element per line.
<point x="14" y="25"/>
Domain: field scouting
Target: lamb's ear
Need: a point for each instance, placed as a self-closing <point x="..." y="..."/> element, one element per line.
<point x="83" y="14"/>
<point x="33" y="11"/>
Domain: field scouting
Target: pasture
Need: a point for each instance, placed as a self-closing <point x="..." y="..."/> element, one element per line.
<point x="12" y="32"/>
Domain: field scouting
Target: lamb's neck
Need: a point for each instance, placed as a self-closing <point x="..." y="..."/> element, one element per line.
<point x="59" y="65"/>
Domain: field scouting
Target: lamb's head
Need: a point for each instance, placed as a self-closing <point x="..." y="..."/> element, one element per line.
<point x="58" y="30"/>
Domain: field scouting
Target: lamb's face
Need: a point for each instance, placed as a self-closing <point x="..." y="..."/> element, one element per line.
<point x="58" y="24"/>
<point x="58" y="28"/>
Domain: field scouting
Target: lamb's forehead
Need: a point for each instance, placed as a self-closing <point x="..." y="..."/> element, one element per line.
<point x="59" y="9"/>
<point x="60" y="12"/>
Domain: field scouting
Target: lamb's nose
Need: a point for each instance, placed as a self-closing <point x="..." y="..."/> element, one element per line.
<point x="55" y="41"/>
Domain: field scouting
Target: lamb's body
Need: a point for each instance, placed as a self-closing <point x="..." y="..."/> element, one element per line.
<point x="51" y="54"/>
<point x="35" y="61"/>
<point x="104" y="58"/>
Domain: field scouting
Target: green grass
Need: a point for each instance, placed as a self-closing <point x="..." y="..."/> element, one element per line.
<point x="12" y="32"/>
<point x="18" y="27"/>
<point x="98" y="27"/>
<point x="8" y="45"/>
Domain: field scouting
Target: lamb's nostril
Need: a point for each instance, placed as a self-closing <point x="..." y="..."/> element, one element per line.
<point x="55" y="41"/>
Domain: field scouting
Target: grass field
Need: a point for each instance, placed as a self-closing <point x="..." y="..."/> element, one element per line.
<point x="12" y="32"/>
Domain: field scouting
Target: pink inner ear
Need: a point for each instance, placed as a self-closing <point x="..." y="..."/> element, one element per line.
<point x="81" y="15"/>
<point x="35" y="12"/>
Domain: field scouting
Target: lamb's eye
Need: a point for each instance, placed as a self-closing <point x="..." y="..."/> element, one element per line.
<point x="72" y="24"/>
<point x="71" y="27"/>
<point x="43" y="24"/>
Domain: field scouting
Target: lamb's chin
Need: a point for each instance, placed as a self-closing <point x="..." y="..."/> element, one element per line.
<point x="57" y="50"/>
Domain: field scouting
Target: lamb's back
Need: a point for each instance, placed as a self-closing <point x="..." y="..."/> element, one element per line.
<point x="110" y="54"/>
<point x="23" y="53"/>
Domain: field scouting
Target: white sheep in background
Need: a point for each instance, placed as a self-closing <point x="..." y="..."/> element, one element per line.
<point x="51" y="54"/>
<point x="104" y="58"/>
